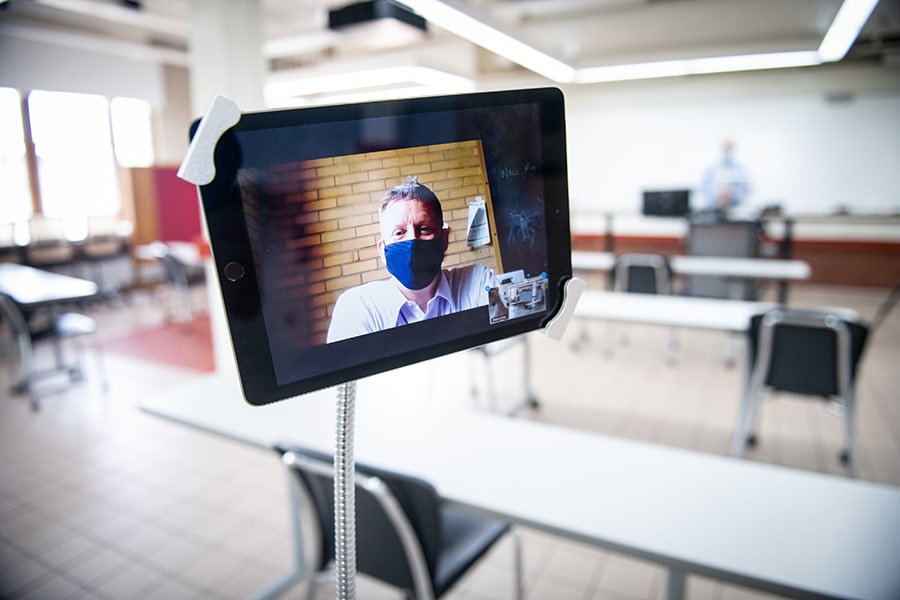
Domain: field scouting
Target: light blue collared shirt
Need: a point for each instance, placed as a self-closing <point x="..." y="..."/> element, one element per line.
<point x="380" y="305"/>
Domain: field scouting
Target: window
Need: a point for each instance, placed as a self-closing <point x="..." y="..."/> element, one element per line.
<point x="77" y="142"/>
<point x="14" y="187"/>
<point x="132" y="132"/>
<point x="75" y="165"/>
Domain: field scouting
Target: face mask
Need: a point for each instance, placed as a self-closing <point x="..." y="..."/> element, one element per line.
<point x="415" y="263"/>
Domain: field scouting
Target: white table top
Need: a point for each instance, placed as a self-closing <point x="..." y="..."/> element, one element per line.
<point x="723" y="266"/>
<point x="29" y="287"/>
<point x="676" y="311"/>
<point x="769" y="527"/>
<point x="743" y="268"/>
<point x="593" y="261"/>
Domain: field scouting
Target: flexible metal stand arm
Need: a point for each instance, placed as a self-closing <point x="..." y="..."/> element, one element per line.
<point x="344" y="494"/>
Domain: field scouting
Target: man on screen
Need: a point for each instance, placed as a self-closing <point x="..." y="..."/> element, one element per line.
<point x="414" y="239"/>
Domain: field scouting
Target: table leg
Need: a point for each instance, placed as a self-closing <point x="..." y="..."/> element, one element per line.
<point x="675" y="580"/>
<point x="300" y="569"/>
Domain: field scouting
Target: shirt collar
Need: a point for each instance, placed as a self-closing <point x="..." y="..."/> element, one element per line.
<point x="443" y="289"/>
<point x="441" y="293"/>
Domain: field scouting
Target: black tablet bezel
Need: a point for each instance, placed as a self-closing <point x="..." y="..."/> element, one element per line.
<point x="223" y="207"/>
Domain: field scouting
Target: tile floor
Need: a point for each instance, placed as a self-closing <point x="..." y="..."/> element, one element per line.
<point x="100" y="500"/>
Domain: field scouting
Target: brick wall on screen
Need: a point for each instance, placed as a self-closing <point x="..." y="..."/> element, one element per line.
<point x="333" y="207"/>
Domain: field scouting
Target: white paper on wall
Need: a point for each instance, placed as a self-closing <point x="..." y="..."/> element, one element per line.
<point x="477" y="231"/>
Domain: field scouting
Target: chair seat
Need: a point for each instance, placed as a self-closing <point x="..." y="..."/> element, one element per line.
<point x="467" y="537"/>
<point x="405" y="536"/>
<point x="812" y="353"/>
<point x="67" y="325"/>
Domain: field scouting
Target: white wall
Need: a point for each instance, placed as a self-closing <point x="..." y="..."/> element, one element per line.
<point x="35" y="65"/>
<point x="32" y="65"/>
<point x="813" y="140"/>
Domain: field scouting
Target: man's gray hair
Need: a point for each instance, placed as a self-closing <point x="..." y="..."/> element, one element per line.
<point x="411" y="189"/>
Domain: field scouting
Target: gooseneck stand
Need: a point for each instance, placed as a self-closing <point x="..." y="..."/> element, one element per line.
<point x="344" y="466"/>
<point x="345" y="494"/>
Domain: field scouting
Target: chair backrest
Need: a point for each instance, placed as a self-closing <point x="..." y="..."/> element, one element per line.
<point x="174" y="269"/>
<point x="398" y="524"/>
<point x="724" y="238"/>
<point x="10" y="313"/>
<point x="806" y="352"/>
<point x="103" y="237"/>
<point x="48" y="244"/>
<point x="642" y="274"/>
<point x="18" y="326"/>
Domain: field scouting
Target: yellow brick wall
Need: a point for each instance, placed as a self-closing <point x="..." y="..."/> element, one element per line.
<point x="329" y="208"/>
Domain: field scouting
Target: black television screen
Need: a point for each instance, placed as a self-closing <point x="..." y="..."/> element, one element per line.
<point x="667" y="203"/>
<point x="353" y="239"/>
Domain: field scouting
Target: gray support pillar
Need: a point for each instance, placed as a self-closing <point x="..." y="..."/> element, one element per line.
<point x="226" y="53"/>
<point x="226" y="58"/>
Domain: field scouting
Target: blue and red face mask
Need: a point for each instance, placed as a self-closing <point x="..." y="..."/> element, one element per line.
<point x="415" y="263"/>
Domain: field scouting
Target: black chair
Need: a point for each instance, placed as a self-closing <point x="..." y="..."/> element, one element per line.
<point x="803" y="352"/>
<point x="48" y="246"/>
<point x="739" y="239"/>
<point x="406" y="535"/>
<point x="181" y="277"/>
<point x="638" y="273"/>
<point x="105" y="253"/>
<point x="55" y="329"/>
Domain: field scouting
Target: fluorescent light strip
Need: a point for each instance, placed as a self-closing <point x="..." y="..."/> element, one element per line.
<point x="848" y="22"/>
<point x="850" y="18"/>
<point x="698" y="66"/>
<point x="755" y="62"/>
<point x="843" y="31"/>
<point x="651" y="70"/>
<point x="470" y="28"/>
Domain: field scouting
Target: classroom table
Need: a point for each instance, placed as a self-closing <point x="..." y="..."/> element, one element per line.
<point x="737" y="270"/>
<point x="32" y="288"/>
<point x="673" y="311"/>
<point x="593" y="261"/>
<point x="733" y="268"/>
<point x="731" y="316"/>
<point x="771" y="528"/>
<point x="741" y="268"/>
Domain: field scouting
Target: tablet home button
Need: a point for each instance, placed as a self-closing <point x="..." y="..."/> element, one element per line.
<point x="234" y="271"/>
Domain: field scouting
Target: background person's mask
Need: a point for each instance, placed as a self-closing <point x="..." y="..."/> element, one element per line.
<point x="415" y="263"/>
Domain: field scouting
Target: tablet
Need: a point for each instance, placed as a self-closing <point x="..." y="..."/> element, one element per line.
<point x="350" y="240"/>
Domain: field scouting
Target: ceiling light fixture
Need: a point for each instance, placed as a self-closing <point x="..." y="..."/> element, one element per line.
<point x="368" y="11"/>
<point x="447" y="15"/>
<point x="377" y="25"/>
<point x="850" y="19"/>
<point x="404" y="81"/>
<point x="698" y="66"/>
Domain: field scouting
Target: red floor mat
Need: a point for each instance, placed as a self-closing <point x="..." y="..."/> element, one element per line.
<point x="180" y="344"/>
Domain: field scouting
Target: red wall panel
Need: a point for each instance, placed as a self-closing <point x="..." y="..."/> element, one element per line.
<point x="177" y="205"/>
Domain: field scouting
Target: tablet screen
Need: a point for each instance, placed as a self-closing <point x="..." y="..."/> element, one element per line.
<point x="349" y="240"/>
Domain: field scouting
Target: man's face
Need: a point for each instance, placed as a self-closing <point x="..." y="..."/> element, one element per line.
<point x="409" y="220"/>
<point x="416" y="262"/>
